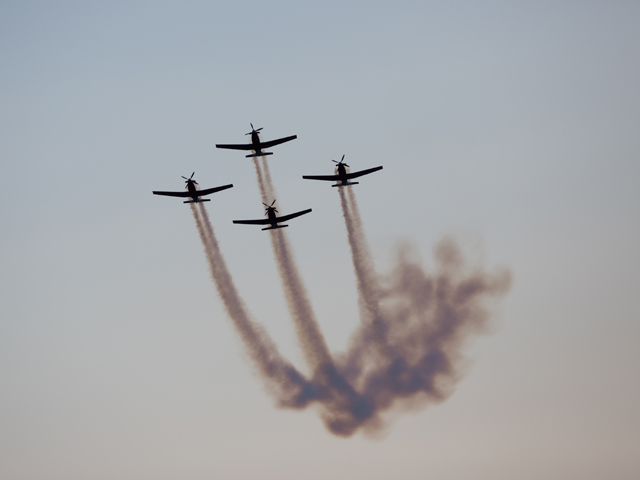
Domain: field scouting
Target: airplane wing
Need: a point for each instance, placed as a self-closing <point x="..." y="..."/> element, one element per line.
<point x="322" y="177"/>
<point x="173" y="194"/>
<point x="263" y="221"/>
<point x="244" y="146"/>
<point x="284" y="218"/>
<point x="209" y="191"/>
<point x="363" y="172"/>
<point x="272" y="143"/>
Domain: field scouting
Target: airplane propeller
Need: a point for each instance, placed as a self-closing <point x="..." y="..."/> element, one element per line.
<point x="187" y="180"/>
<point x="253" y="130"/>
<point x="270" y="207"/>
<point x="341" y="162"/>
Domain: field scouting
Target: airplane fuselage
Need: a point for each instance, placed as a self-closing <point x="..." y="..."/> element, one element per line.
<point x="255" y="141"/>
<point x="342" y="173"/>
<point x="273" y="220"/>
<point x="193" y="193"/>
<point x="271" y="214"/>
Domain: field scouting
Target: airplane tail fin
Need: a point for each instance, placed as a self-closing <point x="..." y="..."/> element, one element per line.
<point x="198" y="200"/>
<point x="261" y="154"/>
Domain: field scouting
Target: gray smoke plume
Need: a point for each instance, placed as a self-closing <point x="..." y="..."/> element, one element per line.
<point x="308" y="331"/>
<point x="414" y="325"/>
<point x="271" y="191"/>
<point x="314" y="345"/>
<point x="263" y="175"/>
<point x="282" y="379"/>
<point x="264" y="195"/>
<point x="340" y="400"/>
<point x="407" y="350"/>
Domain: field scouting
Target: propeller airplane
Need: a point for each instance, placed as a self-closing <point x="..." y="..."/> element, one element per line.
<point x="193" y="192"/>
<point x="256" y="145"/>
<point x="272" y="219"/>
<point x="342" y="176"/>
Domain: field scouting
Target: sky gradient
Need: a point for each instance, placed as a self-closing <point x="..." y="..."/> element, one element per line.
<point x="512" y="126"/>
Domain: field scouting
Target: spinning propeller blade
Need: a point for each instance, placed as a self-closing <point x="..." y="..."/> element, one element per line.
<point x="187" y="180"/>
<point x="253" y="130"/>
<point x="341" y="162"/>
<point x="270" y="207"/>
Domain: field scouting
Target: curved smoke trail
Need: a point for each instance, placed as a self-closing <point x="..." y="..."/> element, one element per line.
<point x="368" y="289"/>
<point x="408" y="346"/>
<point x="261" y="183"/>
<point x="342" y="404"/>
<point x="283" y="380"/>
<point x="426" y="320"/>
<point x="271" y="190"/>
<point x="313" y="343"/>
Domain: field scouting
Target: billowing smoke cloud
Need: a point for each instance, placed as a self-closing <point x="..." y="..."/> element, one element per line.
<point x="413" y="327"/>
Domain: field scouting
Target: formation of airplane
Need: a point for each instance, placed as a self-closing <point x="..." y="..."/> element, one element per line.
<point x="256" y="145"/>
<point x="342" y="177"/>
<point x="194" y="193"/>
<point x="272" y="219"/>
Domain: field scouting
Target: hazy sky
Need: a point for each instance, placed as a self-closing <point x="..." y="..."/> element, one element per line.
<point x="510" y="125"/>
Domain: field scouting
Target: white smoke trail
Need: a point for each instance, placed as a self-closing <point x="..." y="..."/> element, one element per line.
<point x="312" y="340"/>
<point x="426" y="321"/>
<point x="342" y="406"/>
<point x="408" y="347"/>
<point x="271" y="190"/>
<point x="364" y="269"/>
<point x="264" y="194"/>
<point x="283" y="380"/>
<point x="313" y="343"/>
<point x="369" y="347"/>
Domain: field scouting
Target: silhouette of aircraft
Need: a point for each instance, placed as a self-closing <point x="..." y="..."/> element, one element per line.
<point x="194" y="193"/>
<point x="256" y="145"/>
<point x="342" y="176"/>
<point x="272" y="218"/>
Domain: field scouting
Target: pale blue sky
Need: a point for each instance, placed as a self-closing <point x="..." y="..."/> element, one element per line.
<point x="513" y="125"/>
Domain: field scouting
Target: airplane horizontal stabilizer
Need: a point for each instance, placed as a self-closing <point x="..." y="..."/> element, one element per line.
<point x="345" y="184"/>
<point x="259" y="154"/>
<point x="198" y="200"/>
<point x="277" y="226"/>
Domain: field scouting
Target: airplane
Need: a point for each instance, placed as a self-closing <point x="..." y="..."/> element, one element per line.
<point x="342" y="176"/>
<point x="192" y="192"/>
<point x="272" y="219"/>
<point x="256" y="145"/>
